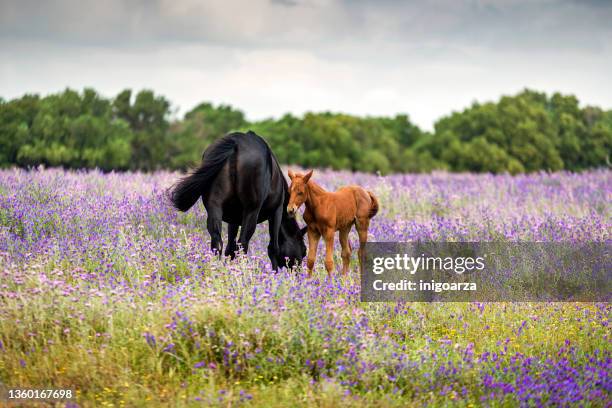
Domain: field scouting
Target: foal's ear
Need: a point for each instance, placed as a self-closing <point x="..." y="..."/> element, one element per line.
<point x="307" y="176"/>
<point x="290" y="174"/>
<point x="303" y="231"/>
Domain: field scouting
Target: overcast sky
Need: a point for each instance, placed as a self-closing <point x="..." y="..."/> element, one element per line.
<point x="269" y="57"/>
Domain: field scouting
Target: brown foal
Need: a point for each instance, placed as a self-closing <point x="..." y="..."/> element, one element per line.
<point x="328" y="212"/>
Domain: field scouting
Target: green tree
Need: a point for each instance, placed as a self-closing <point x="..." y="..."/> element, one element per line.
<point x="530" y="131"/>
<point x="148" y="119"/>
<point x="199" y="128"/>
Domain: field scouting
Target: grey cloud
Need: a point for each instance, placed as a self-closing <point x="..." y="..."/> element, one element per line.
<point x="316" y="25"/>
<point x="117" y="23"/>
<point x="272" y="56"/>
<point x="288" y="3"/>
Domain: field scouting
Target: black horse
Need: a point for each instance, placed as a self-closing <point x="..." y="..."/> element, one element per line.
<point x="241" y="183"/>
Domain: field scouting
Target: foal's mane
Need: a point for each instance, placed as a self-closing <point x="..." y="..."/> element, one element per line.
<point x="315" y="186"/>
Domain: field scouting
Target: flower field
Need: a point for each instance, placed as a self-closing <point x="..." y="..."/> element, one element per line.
<point x="106" y="290"/>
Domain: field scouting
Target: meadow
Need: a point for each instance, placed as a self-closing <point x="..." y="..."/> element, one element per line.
<point x="107" y="290"/>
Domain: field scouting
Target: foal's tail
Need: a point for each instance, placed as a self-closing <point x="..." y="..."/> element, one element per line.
<point x="373" y="205"/>
<point x="186" y="192"/>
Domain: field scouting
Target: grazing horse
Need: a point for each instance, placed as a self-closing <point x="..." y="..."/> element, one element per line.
<point x="241" y="183"/>
<point x="328" y="212"/>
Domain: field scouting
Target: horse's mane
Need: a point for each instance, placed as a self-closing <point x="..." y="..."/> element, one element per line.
<point x="273" y="163"/>
<point x="290" y="224"/>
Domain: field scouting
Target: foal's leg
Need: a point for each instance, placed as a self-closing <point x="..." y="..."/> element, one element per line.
<point x="249" y="223"/>
<point x="232" y="232"/>
<point x="346" y="249"/>
<point x="362" y="225"/>
<point x="313" y="242"/>
<point x="213" y="224"/>
<point x="329" y="250"/>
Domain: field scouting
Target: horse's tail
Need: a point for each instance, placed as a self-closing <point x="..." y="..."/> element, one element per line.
<point x="373" y="205"/>
<point x="186" y="192"/>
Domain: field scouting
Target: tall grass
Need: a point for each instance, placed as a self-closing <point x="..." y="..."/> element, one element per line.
<point x="105" y="290"/>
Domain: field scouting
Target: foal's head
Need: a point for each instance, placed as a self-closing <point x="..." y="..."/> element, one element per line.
<point x="297" y="191"/>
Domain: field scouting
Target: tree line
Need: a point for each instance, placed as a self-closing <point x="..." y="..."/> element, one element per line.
<point x="527" y="132"/>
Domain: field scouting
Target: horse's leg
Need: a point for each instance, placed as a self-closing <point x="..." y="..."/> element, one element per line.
<point x="232" y="232"/>
<point x="328" y="236"/>
<point x="362" y="225"/>
<point x="249" y="223"/>
<point x="313" y="242"/>
<point x="273" y="227"/>
<point x="346" y="249"/>
<point x="213" y="224"/>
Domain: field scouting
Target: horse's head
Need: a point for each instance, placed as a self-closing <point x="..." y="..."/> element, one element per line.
<point x="297" y="191"/>
<point x="291" y="243"/>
